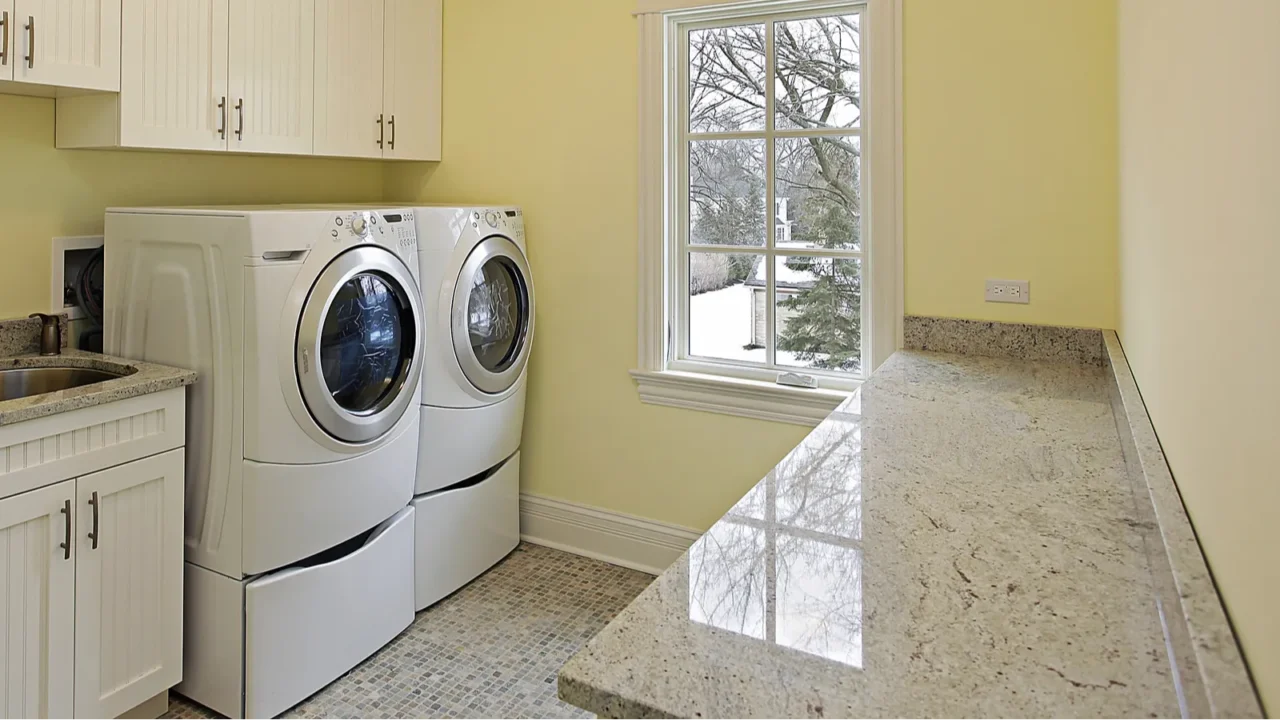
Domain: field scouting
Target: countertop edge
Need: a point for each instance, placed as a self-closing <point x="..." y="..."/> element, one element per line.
<point x="1208" y="663"/>
<point x="147" y="379"/>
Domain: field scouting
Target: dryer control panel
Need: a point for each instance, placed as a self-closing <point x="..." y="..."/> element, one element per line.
<point x="507" y="221"/>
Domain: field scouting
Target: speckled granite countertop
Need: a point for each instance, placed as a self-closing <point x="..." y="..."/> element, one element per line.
<point x="959" y="538"/>
<point x="142" y="378"/>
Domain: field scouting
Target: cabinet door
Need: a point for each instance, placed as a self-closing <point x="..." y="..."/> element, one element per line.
<point x="349" y="78"/>
<point x="68" y="43"/>
<point x="270" y="63"/>
<point x="37" y="596"/>
<point x="128" y="584"/>
<point x="173" y="75"/>
<point x="412" y="63"/>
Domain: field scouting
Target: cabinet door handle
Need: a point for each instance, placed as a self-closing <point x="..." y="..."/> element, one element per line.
<point x="31" y="42"/>
<point x="222" y="112"/>
<point x="4" y="27"/>
<point x="393" y="132"/>
<point x="66" y="542"/>
<point x="380" y="129"/>
<point x="93" y="502"/>
<point x="240" y="123"/>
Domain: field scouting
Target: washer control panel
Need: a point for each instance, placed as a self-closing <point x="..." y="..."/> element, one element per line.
<point x="399" y="229"/>
<point x="393" y="228"/>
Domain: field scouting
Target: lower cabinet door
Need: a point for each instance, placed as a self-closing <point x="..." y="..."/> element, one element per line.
<point x="37" y="596"/>
<point x="128" y="594"/>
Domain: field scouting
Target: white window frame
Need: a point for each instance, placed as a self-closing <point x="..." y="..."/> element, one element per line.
<point x="663" y="377"/>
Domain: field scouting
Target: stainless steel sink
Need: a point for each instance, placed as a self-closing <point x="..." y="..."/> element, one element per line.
<point x="25" y="382"/>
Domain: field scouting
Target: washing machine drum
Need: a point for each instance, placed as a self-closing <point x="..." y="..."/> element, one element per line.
<point x="359" y="345"/>
<point x="492" y="315"/>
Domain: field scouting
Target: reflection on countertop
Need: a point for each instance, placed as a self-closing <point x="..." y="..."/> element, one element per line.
<point x="958" y="538"/>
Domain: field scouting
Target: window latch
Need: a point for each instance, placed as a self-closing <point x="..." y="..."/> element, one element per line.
<point x="797" y="380"/>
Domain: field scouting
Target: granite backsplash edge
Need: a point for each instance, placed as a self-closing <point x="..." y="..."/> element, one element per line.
<point x="1214" y="680"/>
<point x="21" y="336"/>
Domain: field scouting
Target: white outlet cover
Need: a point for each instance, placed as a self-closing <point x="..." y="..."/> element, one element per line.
<point x="1009" y="291"/>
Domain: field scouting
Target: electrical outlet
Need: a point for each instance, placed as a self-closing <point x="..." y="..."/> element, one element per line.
<point x="1009" y="291"/>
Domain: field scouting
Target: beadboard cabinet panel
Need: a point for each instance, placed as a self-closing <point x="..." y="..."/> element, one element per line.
<point x="349" y="120"/>
<point x="65" y="43"/>
<point x="271" y="61"/>
<point x="37" y="596"/>
<point x="173" y="85"/>
<point x="413" y="68"/>
<point x="128" y="586"/>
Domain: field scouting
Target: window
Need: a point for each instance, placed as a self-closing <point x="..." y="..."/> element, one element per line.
<point x="759" y="221"/>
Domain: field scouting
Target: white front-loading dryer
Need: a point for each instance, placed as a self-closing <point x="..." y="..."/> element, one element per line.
<point x="479" y="309"/>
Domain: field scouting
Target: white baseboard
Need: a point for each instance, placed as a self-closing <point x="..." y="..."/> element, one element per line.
<point x="616" y="538"/>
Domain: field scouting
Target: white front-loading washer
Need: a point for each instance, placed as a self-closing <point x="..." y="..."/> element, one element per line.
<point x="478" y="305"/>
<point x="307" y="330"/>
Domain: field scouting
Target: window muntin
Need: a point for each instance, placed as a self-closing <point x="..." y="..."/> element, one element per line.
<point x="786" y="295"/>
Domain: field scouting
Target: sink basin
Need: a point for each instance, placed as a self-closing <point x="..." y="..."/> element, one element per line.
<point x="25" y="382"/>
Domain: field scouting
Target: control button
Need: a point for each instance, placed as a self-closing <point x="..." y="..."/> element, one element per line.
<point x="338" y="220"/>
<point x="357" y="225"/>
<point x="475" y="216"/>
<point x="373" y="219"/>
<point x="334" y="233"/>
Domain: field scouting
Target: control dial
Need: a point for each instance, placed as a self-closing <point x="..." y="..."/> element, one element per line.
<point x="358" y="225"/>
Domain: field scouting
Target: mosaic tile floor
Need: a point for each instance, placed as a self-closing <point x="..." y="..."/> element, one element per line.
<point x="490" y="650"/>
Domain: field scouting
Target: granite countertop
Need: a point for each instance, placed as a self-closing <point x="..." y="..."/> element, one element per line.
<point x="142" y="378"/>
<point x="959" y="538"/>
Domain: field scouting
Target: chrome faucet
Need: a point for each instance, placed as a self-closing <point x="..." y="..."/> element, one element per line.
<point x="50" y="333"/>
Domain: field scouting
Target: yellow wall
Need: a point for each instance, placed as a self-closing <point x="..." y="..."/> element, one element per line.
<point x="1199" y="253"/>
<point x="540" y="110"/>
<point x="1010" y="136"/>
<point x="46" y="193"/>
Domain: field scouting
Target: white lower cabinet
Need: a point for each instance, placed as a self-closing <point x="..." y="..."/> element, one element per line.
<point x="37" y="602"/>
<point x="128" y="584"/>
<point x="91" y="566"/>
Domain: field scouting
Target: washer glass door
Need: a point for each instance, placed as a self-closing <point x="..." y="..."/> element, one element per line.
<point x="493" y="315"/>
<point x="361" y="323"/>
<point x="363" y="343"/>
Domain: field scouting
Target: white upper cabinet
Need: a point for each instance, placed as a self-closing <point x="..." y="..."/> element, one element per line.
<point x="61" y="44"/>
<point x="349" y="120"/>
<point x="128" y="584"/>
<point x="271" y="59"/>
<point x="342" y="78"/>
<point x="37" y="596"/>
<point x="173" y="86"/>
<point x="412" y="69"/>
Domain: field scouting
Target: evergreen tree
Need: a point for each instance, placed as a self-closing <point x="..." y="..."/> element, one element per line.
<point x="826" y="327"/>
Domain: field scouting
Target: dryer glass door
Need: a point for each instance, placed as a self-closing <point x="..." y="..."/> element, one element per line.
<point x="361" y="325"/>
<point x="493" y="315"/>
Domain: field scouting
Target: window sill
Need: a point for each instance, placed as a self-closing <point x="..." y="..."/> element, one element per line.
<point x="732" y="396"/>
